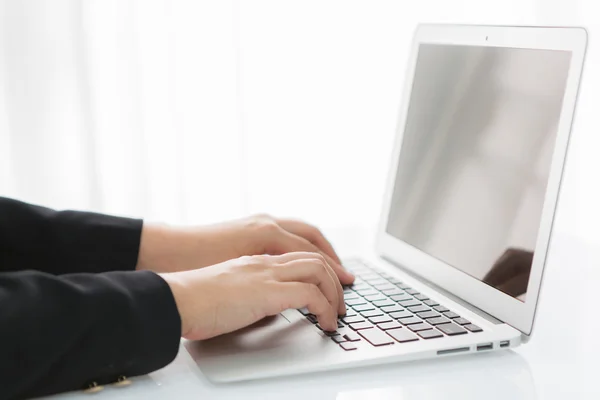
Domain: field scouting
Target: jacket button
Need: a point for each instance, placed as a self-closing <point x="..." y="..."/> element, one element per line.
<point x="93" y="388"/>
<point x="122" y="381"/>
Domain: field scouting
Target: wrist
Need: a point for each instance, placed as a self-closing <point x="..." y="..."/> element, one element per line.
<point x="179" y="291"/>
<point x="154" y="251"/>
<point x="165" y="248"/>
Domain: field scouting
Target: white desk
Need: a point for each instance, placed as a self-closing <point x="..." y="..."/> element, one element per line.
<point x="560" y="362"/>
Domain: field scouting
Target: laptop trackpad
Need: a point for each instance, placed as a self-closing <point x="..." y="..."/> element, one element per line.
<point x="267" y="334"/>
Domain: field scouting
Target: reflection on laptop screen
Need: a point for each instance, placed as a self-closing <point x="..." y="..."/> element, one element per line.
<point x="475" y="158"/>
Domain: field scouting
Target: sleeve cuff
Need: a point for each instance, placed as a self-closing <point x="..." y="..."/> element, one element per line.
<point x="159" y="323"/>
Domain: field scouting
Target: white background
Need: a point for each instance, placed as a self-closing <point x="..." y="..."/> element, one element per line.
<point x="197" y="111"/>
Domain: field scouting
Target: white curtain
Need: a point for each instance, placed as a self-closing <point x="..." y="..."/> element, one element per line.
<point x="127" y="107"/>
<point x="197" y="111"/>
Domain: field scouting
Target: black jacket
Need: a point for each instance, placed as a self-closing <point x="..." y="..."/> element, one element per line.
<point x="72" y="309"/>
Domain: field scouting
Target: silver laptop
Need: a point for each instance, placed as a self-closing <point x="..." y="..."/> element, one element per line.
<point x="467" y="216"/>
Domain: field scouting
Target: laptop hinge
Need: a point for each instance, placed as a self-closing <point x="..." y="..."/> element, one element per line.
<point x="451" y="296"/>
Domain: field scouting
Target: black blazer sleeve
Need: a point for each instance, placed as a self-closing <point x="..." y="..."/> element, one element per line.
<point x="62" y="333"/>
<point x="60" y="329"/>
<point x="61" y="242"/>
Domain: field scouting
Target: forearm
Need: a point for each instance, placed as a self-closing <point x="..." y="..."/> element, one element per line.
<point x="165" y="248"/>
<point x="61" y="333"/>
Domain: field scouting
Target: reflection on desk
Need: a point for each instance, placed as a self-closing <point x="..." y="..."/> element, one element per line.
<point x="503" y="375"/>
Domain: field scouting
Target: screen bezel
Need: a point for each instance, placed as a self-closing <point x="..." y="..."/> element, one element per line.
<point x="502" y="306"/>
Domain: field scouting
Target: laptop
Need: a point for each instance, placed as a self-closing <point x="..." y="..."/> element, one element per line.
<point x="467" y="216"/>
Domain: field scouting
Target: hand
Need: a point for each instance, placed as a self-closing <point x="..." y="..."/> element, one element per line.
<point x="169" y="249"/>
<point x="510" y="273"/>
<point x="234" y="294"/>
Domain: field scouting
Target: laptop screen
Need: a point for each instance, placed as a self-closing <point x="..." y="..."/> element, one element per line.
<point x="475" y="158"/>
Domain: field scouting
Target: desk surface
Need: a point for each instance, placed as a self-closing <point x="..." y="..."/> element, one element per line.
<point x="559" y="362"/>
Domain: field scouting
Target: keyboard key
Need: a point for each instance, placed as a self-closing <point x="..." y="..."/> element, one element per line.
<point x="312" y="318"/>
<point x="473" y="328"/>
<point x="440" y="309"/>
<point x="403" y="286"/>
<point x="338" y="339"/>
<point x="360" y="286"/>
<point x="328" y="333"/>
<point x="430" y="303"/>
<point x="428" y="314"/>
<point x="304" y="311"/>
<point x="420" y="296"/>
<point x="371" y="313"/>
<point x="349" y="313"/>
<point x="392" y="292"/>
<point x="363" y="307"/>
<point x="351" y="336"/>
<point x="383" y="303"/>
<point x="350" y="296"/>
<point x="419" y="327"/>
<point x="340" y="325"/>
<point x="355" y="302"/>
<point x="389" y="325"/>
<point x="395" y="281"/>
<point x="401" y="297"/>
<point x="376" y="337"/>
<point x="429" y="334"/>
<point x="438" y="321"/>
<point x="384" y="286"/>
<point x="361" y="325"/>
<point x="418" y="309"/>
<point x="451" y="329"/>
<point x="348" y="346"/>
<point x="451" y="315"/>
<point x="379" y="319"/>
<point x="402" y="335"/>
<point x="410" y="321"/>
<point x="401" y="314"/>
<point x="351" y="320"/>
<point x="411" y="291"/>
<point x="461" y="321"/>
<point x="375" y="297"/>
<point x="369" y="275"/>
<point x="391" y="309"/>
<point x="366" y="292"/>
<point x="409" y="303"/>
<point x="376" y="281"/>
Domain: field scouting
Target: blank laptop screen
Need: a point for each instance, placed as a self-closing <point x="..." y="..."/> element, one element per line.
<point x="475" y="158"/>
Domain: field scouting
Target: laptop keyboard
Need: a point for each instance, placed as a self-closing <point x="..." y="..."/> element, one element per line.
<point x="381" y="310"/>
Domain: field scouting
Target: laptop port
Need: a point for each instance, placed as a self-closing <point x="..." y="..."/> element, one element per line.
<point x="450" y="351"/>
<point x="485" y="346"/>
<point x="505" y="343"/>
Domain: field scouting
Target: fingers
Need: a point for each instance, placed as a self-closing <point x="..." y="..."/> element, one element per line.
<point x="300" y="294"/>
<point x="312" y="268"/>
<point x="288" y="242"/>
<point x="310" y="233"/>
